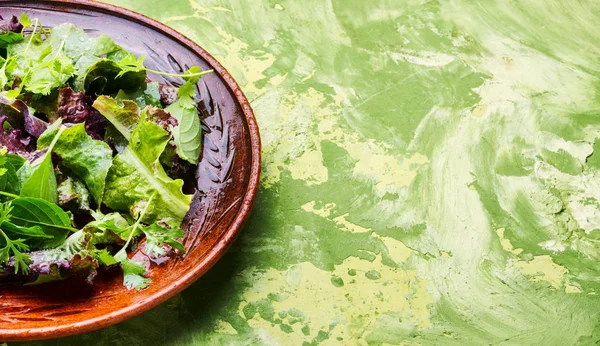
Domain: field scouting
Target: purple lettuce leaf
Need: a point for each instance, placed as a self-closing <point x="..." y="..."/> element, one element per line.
<point x="15" y="140"/>
<point x="13" y="25"/>
<point x="168" y="94"/>
<point x="76" y="107"/>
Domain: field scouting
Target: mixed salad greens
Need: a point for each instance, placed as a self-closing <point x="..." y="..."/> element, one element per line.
<point x="94" y="157"/>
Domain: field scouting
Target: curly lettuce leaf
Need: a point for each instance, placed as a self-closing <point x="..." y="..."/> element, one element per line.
<point x="137" y="174"/>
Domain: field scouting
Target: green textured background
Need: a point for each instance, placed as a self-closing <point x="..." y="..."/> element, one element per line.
<point x="429" y="176"/>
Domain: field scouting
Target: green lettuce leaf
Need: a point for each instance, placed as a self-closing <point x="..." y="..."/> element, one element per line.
<point x="9" y="37"/>
<point x="136" y="174"/>
<point x="123" y="115"/>
<point x="44" y="65"/>
<point x="87" y="158"/>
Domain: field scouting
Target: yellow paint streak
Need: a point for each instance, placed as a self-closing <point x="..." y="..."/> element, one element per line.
<point x="349" y="226"/>
<point x="542" y="268"/>
<point x="506" y="244"/>
<point x="247" y="66"/>
<point x="323" y="212"/>
<point x="348" y="309"/>
<point x="225" y="328"/>
<point x="572" y="289"/>
<point x="396" y="249"/>
<point x="310" y="168"/>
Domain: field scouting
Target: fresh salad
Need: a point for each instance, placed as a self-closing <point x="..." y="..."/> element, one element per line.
<point x="95" y="159"/>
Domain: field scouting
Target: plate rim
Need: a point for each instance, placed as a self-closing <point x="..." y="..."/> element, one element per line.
<point x="215" y="253"/>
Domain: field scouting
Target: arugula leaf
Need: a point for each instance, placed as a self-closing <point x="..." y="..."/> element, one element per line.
<point x="157" y="235"/>
<point x="31" y="212"/>
<point x="188" y="133"/>
<point x="86" y="158"/>
<point x="136" y="174"/>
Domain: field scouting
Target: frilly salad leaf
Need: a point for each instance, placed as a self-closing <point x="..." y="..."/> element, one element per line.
<point x="86" y="158"/>
<point x="123" y="117"/>
<point x="136" y="172"/>
<point x="49" y="80"/>
<point x="187" y="134"/>
<point x="44" y="65"/>
<point x="136" y="175"/>
<point x="157" y="235"/>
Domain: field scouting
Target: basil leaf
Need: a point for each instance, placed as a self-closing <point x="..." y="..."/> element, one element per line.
<point x="15" y="160"/>
<point x="32" y="212"/>
<point x="24" y="232"/>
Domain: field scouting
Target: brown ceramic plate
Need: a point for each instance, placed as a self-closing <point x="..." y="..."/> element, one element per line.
<point x="227" y="180"/>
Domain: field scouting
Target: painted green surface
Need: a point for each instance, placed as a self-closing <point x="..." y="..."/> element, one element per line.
<point x="430" y="176"/>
